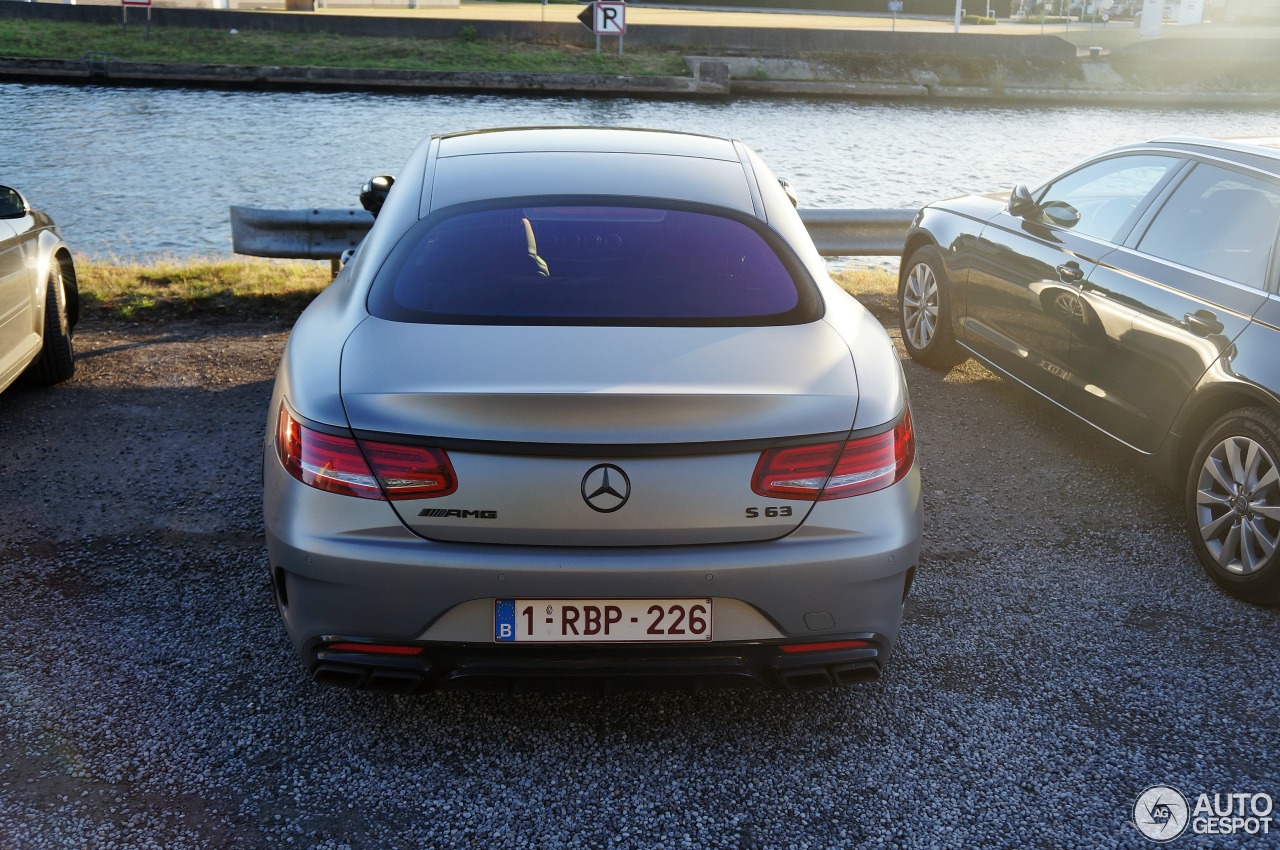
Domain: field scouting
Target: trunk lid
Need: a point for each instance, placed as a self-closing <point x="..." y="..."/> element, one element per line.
<point x="549" y="428"/>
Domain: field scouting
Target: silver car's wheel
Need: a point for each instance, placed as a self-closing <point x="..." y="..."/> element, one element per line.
<point x="1233" y="504"/>
<point x="56" y="361"/>
<point x="923" y="310"/>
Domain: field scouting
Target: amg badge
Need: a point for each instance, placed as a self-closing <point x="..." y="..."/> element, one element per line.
<point x="440" y="513"/>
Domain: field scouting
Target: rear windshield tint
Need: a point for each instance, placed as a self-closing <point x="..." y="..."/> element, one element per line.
<point x="594" y="265"/>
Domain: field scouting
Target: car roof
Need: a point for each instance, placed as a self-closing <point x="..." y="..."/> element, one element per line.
<point x="1260" y="152"/>
<point x="586" y="139"/>
<point x="1269" y="146"/>
<point x="589" y="161"/>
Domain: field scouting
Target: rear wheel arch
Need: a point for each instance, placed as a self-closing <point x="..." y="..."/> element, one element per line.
<point x="1202" y="412"/>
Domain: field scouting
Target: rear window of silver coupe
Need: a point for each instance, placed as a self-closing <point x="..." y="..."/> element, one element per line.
<point x="591" y="265"/>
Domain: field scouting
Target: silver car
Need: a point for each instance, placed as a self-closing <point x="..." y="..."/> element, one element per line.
<point x="585" y="406"/>
<point x="39" y="304"/>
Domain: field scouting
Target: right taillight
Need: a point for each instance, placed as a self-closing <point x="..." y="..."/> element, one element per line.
<point x="837" y="470"/>
<point x="411" y="472"/>
<point x="364" y="469"/>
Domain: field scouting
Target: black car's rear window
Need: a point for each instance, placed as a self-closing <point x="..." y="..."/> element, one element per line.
<point x="594" y="265"/>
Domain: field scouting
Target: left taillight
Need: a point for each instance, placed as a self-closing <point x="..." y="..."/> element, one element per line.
<point x="837" y="470"/>
<point x="366" y="470"/>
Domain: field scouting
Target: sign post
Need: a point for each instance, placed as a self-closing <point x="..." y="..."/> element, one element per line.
<point x="606" y="17"/>
<point x="124" y="14"/>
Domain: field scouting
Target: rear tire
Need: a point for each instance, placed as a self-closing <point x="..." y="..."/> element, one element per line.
<point x="1233" y="504"/>
<point x="924" y="311"/>
<point x="56" y="362"/>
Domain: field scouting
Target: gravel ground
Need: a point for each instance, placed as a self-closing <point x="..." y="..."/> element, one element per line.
<point x="1061" y="653"/>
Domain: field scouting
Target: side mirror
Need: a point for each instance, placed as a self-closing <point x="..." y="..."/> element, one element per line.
<point x="1060" y="214"/>
<point x="373" y="194"/>
<point x="1020" y="201"/>
<point x="791" y="193"/>
<point x="12" y="204"/>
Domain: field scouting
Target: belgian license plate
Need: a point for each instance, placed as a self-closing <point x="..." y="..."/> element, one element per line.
<point x="601" y="620"/>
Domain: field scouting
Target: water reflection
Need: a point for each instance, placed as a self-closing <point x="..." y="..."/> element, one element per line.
<point x="135" y="173"/>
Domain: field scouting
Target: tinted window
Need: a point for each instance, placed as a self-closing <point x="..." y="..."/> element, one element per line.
<point x="1105" y="196"/>
<point x="1218" y="222"/>
<point x="11" y="205"/>
<point x="588" y="265"/>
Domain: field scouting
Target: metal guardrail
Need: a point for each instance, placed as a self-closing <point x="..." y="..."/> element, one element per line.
<point x="858" y="233"/>
<point x="324" y="234"/>
<point x="313" y="234"/>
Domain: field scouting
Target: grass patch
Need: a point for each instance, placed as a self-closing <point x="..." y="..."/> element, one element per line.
<point x="876" y="289"/>
<point x="214" y="290"/>
<point x="66" y="40"/>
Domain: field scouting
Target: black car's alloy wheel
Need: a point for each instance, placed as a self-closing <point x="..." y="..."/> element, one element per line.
<point x="924" y="311"/>
<point x="1233" y="504"/>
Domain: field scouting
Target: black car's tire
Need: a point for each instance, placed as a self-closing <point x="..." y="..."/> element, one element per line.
<point x="924" y="311"/>
<point x="56" y="362"/>
<point x="1233" y="504"/>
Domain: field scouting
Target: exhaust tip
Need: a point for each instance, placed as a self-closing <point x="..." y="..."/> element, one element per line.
<point x="852" y="674"/>
<point x="339" y="675"/>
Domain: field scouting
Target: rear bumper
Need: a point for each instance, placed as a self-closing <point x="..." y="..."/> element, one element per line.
<point x="346" y="570"/>
<point x="433" y="666"/>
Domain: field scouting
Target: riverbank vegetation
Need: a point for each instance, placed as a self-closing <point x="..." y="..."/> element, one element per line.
<point x="35" y="39"/>
<point x="248" y="290"/>
<point x="209" y="290"/>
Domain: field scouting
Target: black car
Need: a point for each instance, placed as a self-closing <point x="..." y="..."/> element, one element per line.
<point x="1139" y="292"/>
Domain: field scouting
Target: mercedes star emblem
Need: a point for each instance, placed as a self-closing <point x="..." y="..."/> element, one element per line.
<point x="605" y="488"/>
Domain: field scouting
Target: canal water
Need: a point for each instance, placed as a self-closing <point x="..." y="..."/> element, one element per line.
<point x="141" y="173"/>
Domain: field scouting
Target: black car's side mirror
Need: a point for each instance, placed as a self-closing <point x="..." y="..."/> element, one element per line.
<point x="1020" y="201"/>
<point x="1061" y="214"/>
<point x="12" y="204"/>
<point x="373" y="194"/>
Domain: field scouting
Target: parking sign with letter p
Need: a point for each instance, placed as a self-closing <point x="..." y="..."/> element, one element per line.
<point x="610" y="18"/>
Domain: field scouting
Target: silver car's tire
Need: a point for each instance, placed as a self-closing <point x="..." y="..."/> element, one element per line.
<point x="924" y="311"/>
<point x="56" y="362"/>
<point x="1233" y="504"/>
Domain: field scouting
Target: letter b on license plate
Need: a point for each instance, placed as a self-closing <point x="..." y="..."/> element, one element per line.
<point x="601" y="620"/>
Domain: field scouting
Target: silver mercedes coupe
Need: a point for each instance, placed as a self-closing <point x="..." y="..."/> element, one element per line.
<point x="585" y="407"/>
